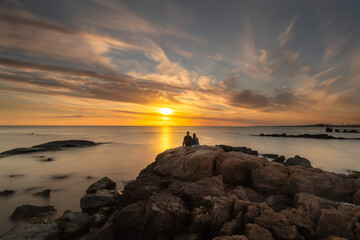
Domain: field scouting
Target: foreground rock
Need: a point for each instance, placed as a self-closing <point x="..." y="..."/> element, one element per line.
<point x="33" y="214"/>
<point x="50" y="146"/>
<point x="207" y="193"/>
<point x="33" y="232"/>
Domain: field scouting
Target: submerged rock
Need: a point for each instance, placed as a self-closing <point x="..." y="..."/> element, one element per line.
<point x="50" y="146"/>
<point x="33" y="214"/>
<point x="7" y="192"/>
<point x="44" y="193"/>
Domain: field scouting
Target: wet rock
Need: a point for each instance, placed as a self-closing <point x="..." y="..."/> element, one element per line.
<point x="7" y="192"/>
<point x="103" y="183"/>
<point x="49" y="159"/>
<point x="45" y="193"/>
<point x="280" y="159"/>
<point x="270" y="155"/>
<point x="255" y="232"/>
<point x="33" y="232"/>
<point x="33" y="214"/>
<point x="298" y="161"/>
<point x="73" y="225"/>
<point x="16" y="175"/>
<point x="50" y="146"/>
<point x="60" y="177"/>
<point x="92" y="202"/>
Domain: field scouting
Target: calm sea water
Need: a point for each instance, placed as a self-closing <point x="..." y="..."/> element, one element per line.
<point x="130" y="149"/>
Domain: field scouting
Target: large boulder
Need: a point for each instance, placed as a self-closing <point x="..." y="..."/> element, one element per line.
<point x="255" y="232"/>
<point x="356" y="197"/>
<point x="332" y="222"/>
<point x="103" y="183"/>
<point x="298" y="161"/>
<point x="188" y="163"/>
<point x="33" y="232"/>
<point x="33" y="214"/>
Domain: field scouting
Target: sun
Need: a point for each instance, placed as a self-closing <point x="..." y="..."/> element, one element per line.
<point x="166" y="111"/>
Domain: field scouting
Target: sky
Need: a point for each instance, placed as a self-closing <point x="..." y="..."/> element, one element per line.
<point x="213" y="63"/>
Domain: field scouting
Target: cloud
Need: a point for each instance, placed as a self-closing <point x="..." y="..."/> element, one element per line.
<point x="249" y="99"/>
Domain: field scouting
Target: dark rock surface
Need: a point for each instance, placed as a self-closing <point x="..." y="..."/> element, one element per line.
<point x="50" y="146"/>
<point x="103" y="183"/>
<point x="33" y="232"/>
<point x="298" y="161"/>
<point x="7" y="192"/>
<point x="73" y="225"/>
<point x="44" y="193"/>
<point x="239" y="149"/>
<point x="33" y="214"/>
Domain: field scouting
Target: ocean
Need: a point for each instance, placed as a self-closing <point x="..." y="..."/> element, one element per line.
<point x="128" y="150"/>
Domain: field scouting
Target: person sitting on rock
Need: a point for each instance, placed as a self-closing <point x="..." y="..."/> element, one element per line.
<point x="187" y="140"/>
<point x="195" y="140"/>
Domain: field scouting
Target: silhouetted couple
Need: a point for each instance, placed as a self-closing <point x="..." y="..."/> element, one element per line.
<point x="190" y="141"/>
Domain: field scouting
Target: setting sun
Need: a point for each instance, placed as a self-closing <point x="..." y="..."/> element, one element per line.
<point x="166" y="111"/>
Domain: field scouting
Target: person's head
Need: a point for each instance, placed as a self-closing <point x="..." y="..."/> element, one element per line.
<point x="187" y="133"/>
<point x="194" y="135"/>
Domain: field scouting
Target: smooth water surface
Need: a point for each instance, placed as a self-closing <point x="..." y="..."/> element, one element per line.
<point x="130" y="149"/>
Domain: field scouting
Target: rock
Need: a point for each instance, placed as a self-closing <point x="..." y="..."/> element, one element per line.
<point x="298" y="181"/>
<point x="190" y="163"/>
<point x="92" y="202"/>
<point x="7" y="192"/>
<point x="270" y="155"/>
<point x="280" y="159"/>
<point x="255" y="232"/>
<point x="356" y="197"/>
<point x="277" y="224"/>
<point x="331" y="222"/>
<point x="60" y="177"/>
<point x="345" y="189"/>
<point x="45" y="193"/>
<point x="33" y="232"/>
<point x="73" y="225"/>
<point x="103" y="183"/>
<point x="101" y="217"/>
<point x="16" y="175"/>
<point x="269" y="179"/>
<point x="279" y="202"/>
<point x="298" y="161"/>
<point x="236" y="167"/>
<point x="49" y="159"/>
<point x="50" y="146"/>
<point x="33" y="214"/>
<point x="107" y="232"/>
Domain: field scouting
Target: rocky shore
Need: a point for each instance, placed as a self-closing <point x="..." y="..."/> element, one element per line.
<point x="314" y="136"/>
<point x="208" y="193"/>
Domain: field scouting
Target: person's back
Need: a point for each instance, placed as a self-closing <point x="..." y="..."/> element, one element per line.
<point x="187" y="140"/>
<point x="195" y="140"/>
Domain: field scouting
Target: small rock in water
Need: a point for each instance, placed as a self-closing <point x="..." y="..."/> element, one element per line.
<point x="47" y="159"/>
<point x="33" y="214"/>
<point x="15" y="175"/>
<point x="89" y="177"/>
<point x="60" y="177"/>
<point x="45" y="193"/>
<point x="298" y="161"/>
<point x="104" y="183"/>
<point x="7" y="192"/>
<point x="280" y="159"/>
